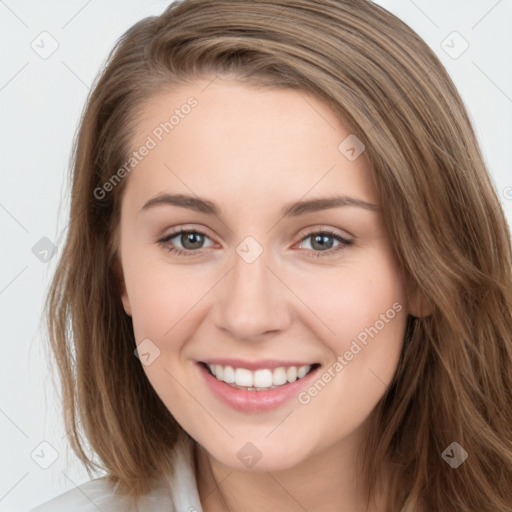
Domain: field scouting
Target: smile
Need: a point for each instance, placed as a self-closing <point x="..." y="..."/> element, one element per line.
<point x="264" y="386"/>
<point x="260" y="380"/>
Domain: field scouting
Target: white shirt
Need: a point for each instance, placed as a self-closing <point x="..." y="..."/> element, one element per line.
<point x="98" y="495"/>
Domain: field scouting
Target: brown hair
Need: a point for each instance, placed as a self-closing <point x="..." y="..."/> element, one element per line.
<point x="454" y="383"/>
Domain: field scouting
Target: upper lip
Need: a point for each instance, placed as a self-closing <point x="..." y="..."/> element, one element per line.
<point x="256" y="365"/>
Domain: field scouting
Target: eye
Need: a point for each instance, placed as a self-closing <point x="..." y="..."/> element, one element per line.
<point x="185" y="242"/>
<point x="322" y="243"/>
<point x="192" y="242"/>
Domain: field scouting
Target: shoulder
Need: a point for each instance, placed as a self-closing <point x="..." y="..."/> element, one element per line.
<point x="100" y="495"/>
<point x="83" y="498"/>
<point x="171" y="493"/>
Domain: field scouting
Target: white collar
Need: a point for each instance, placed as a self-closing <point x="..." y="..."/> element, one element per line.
<point x="177" y="493"/>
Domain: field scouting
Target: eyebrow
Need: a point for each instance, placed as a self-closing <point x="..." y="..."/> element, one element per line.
<point x="290" y="210"/>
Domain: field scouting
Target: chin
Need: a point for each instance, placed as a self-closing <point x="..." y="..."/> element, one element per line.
<point x="256" y="456"/>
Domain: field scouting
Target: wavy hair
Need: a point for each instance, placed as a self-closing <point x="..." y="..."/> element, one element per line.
<point x="442" y="214"/>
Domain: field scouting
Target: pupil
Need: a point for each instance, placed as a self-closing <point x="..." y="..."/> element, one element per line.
<point x="191" y="240"/>
<point x="323" y="241"/>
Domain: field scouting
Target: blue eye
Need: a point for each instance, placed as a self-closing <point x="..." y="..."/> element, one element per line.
<point x="192" y="243"/>
<point x="322" y="243"/>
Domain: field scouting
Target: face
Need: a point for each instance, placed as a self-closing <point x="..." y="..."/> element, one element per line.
<point x="233" y="265"/>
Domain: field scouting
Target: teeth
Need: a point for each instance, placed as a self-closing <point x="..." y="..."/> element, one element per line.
<point x="219" y="371"/>
<point x="260" y="379"/>
<point x="229" y="374"/>
<point x="279" y="376"/>
<point x="291" y="374"/>
<point x="302" y="371"/>
<point x="243" y="377"/>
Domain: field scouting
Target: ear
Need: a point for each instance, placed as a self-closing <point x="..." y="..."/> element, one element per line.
<point x="118" y="269"/>
<point x="419" y="305"/>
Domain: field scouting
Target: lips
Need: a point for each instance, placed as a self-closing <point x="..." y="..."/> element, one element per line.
<point x="251" y="398"/>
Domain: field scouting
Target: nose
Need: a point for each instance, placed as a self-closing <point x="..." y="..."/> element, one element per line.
<point x="251" y="301"/>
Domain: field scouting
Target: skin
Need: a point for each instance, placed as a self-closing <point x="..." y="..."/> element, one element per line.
<point x="251" y="151"/>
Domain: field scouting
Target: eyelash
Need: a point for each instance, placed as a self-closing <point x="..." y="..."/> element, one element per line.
<point x="184" y="252"/>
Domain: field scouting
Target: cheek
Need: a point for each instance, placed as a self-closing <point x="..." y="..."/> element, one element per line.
<point x="368" y="314"/>
<point x="164" y="299"/>
<point x="167" y="306"/>
<point x="353" y="300"/>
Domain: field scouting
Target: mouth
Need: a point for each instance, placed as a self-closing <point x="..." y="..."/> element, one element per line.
<point x="268" y="377"/>
<point x="256" y="386"/>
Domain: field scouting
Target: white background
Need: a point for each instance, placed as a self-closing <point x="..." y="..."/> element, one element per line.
<point x="41" y="101"/>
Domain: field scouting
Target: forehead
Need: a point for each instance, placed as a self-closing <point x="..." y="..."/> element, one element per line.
<point x="235" y="141"/>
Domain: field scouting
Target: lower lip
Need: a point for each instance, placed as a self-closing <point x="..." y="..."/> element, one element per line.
<point x="254" y="401"/>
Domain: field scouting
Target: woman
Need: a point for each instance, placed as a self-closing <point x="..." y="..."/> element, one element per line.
<point x="287" y="278"/>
